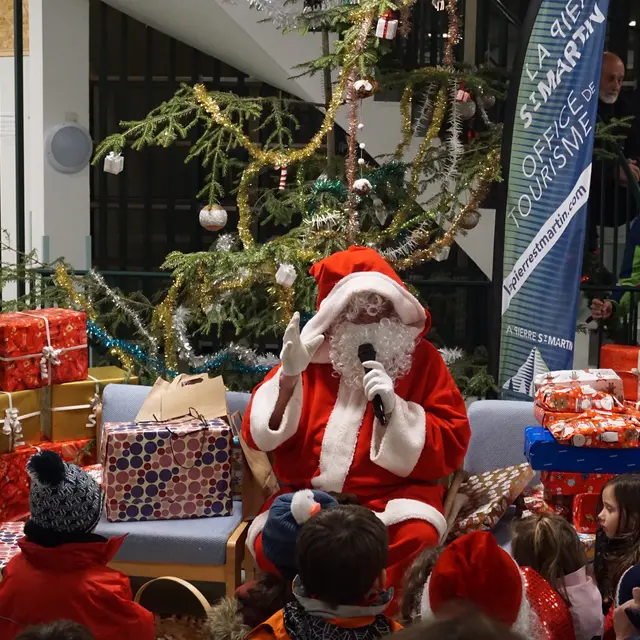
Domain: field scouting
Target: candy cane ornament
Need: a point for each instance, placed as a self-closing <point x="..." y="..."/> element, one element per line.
<point x="283" y="178"/>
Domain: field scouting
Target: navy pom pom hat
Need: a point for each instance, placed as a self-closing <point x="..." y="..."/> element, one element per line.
<point x="63" y="497"/>
<point x="286" y="516"/>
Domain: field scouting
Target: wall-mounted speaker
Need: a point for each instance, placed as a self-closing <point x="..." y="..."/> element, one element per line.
<point x="69" y="147"/>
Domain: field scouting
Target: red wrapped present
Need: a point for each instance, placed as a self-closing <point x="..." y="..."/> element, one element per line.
<point x="14" y="479"/>
<point x="624" y="360"/>
<point x="536" y="502"/>
<point x="588" y="541"/>
<point x="585" y="512"/>
<point x="599" y="429"/>
<point x="561" y="483"/>
<point x="40" y="348"/>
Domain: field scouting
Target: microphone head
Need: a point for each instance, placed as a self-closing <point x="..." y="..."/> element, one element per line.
<point x="366" y="352"/>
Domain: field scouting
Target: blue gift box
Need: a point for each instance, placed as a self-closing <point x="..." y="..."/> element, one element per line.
<point x="545" y="454"/>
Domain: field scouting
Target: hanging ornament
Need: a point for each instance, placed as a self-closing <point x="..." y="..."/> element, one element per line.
<point x="467" y="109"/>
<point x="387" y="26"/>
<point x="470" y="220"/>
<point x="379" y="210"/>
<point x="438" y="5"/>
<point x="226" y="242"/>
<point x="113" y="163"/>
<point x="213" y="217"/>
<point x="283" y="178"/>
<point x="487" y="100"/>
<point x="443" y="254"/>
<point x="364" y="88"/>
<point x="362" y="187"/>
<point x="404" y="21"/>
<point x="286" y="275"/>
<point x="312" y="5"/>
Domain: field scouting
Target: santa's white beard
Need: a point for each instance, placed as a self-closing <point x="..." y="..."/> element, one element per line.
<point x="393" y="341"/>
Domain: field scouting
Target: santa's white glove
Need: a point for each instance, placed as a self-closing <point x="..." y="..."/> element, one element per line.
<point x="296" y="355"/>
<point x="378" y="382"/>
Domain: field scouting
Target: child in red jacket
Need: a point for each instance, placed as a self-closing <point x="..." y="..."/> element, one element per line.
<point x="62" y="571"/>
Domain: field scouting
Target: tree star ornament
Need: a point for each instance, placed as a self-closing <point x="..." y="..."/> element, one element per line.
<point x="286" y="275"/>
<point x="213" y="217"/>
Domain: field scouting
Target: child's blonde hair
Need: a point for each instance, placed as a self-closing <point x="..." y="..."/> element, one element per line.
<point x="548" y="544"/>
<point x="415" y="581"/>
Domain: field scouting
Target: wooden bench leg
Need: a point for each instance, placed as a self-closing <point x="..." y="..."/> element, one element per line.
<point x="235" y="556"/>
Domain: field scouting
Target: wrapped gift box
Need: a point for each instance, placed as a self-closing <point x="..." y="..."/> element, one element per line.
<point x="588" y="541"/>
<point x="585" y="512"/>
<point x="560" y="483"/>
<point x="624" y="361"/>
<point x="10" y="533"/>
<point x="71" y="407"/>
<point x="237" y="464"/>
<point x="43" y="347"/>
<point x="14" y="479"/>
<point x="166" y="471"/>
<point x="598" y="430"/>
<point x="20" y="416"/>
<point x="600" y="379"/>
<point x="490" y="495"/>
<point x="545" y="454"/>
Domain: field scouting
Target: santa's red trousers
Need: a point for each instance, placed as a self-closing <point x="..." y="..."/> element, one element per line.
<point x="406" y="541"/>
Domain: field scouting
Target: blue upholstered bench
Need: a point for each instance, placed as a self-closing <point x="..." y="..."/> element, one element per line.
<point x="207" y="549"/>
<point x="497" y="441"/>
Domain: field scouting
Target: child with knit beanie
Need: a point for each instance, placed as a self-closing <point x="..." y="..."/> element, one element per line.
<point x="257" y="601"/>
<point x="341" y="555"/>
<point x="61" y="572"/>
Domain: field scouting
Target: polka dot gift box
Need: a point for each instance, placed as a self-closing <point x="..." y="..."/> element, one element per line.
<point x="10" y="533"/>
<point x="166" y="471"/>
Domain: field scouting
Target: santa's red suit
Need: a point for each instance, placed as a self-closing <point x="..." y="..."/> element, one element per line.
<point x="329" y="439"/>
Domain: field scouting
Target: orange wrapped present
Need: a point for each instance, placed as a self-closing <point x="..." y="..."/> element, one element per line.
<point x="588" y="541"/>
<point x="40" y="348"/>
<point x="536" y="502"/>
<point x="561" y="483"/>
<point x="624" y="360"/>
<point x="606" y="380"/>
<point x="599" y="430"/>
<point x="585" y="512"/>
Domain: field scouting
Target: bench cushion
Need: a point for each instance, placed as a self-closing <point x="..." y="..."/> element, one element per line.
<point x="199" y="541"/>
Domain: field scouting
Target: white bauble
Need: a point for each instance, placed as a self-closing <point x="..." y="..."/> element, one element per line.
<point x="467" y="109"/>
<point x="362" y="186"/>
<point x="213" y="217"/>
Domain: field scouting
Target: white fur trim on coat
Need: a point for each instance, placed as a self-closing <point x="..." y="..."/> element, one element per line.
<point x="340" y="438"/>
<point x="264" y="403"/>
<point x="398" y="446"/>
<point x="255" y="528"/>
<point x="406" y="305"/>
<point x="403" y="509"/>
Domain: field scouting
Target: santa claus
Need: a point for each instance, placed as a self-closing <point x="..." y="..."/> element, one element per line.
<point x="314" y="411"/>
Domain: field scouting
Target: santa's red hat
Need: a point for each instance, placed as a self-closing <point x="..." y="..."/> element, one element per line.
<point x="360" y="269"/>
<point x="475" y="569"/>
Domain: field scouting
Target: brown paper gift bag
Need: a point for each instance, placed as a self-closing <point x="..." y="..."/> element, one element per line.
<point x="259" y="482"/>
<point x="185" y="395"/>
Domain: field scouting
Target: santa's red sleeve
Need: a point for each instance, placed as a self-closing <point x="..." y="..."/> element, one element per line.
<point x="426" y="438"/>
<point x="255" y="426"/>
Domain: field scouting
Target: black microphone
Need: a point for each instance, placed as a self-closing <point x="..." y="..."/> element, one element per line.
<point x="366" y="353"/>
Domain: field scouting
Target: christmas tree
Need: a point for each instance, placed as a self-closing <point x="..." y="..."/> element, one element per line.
<point x="409" y="209"/>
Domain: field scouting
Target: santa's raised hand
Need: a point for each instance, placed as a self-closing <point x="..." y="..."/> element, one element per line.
<point x="296" y="354"/>
<point x="377" y="382"/>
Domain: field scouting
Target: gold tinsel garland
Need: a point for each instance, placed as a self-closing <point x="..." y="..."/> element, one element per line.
<point x="406" y="103"/>
<point x="65" y="282"/>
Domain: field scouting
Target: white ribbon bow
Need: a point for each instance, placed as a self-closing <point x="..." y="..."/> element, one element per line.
<point x="50" y="356"/>
<point x="12" y="426"/>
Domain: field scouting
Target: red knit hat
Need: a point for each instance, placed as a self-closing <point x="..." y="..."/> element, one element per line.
<point x="476" y="569"/>
<point x="356" y="270"/>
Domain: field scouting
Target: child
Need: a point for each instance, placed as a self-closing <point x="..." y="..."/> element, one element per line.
<point x="258" y="601"/>
<point x="62" y="571"/>
<point x="626" y="615"/>
<point x="618" y="545"/>
<point x="550" y="546"/>
<point x="339" y="593"/>
<point x="459" y="627"/>
<point x="62" y="630"/>
<point x="415" y="580"/>
<point x="474" y="571"/>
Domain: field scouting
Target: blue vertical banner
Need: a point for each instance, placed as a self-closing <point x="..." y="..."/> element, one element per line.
<point x="547" y="152"/>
